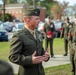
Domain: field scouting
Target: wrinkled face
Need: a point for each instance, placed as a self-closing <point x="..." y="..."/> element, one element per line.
<point x="32" y="22"/>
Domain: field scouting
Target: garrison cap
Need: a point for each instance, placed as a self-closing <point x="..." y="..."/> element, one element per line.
<point x="32" y="12"/>
<point x="5" y="68"/>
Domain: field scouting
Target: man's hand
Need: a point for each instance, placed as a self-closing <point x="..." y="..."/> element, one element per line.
<point x="36" y="59"/>
<point x="49" y="36"/>
<point x="39" y="59"/>
<point x="46" y="56"/>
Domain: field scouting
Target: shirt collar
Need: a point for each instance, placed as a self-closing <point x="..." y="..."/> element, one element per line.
<point x="31" y="31"/>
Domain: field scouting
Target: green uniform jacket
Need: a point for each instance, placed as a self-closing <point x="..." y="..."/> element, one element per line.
<point x="65" y="30"/>
<point x="70" y="40"/>
<point x="74" y="39"/>
<point x="22" y="47"/>
<point x="74" y="36"/>
<point x="48" y="28"/>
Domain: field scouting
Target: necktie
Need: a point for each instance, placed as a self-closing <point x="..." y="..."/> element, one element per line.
<point x="34" y="34"/>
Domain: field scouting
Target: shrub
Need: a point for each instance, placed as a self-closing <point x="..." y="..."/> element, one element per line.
<point x="8" y="17"/>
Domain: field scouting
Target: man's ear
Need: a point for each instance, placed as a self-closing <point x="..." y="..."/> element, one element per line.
<point x="28" y="21"/>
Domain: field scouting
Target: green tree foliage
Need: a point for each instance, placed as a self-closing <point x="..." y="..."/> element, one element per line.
<point x="44" y="3"/>
<point x="8" y="17"/>
<point x="10" y="1"/>
<point x="7" y="2"/>
<point x="72" y="10"/>
<point x="22" y="1"/>
<point x="48" y="4"/>
<point x="57" y="10"/>
<point x="30" y="2"/>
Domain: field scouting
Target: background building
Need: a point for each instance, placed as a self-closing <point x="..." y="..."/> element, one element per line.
<point x="16" y="11"/>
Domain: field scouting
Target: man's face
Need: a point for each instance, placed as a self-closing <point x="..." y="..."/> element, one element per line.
<point x="34" y="21"/>
<point x="49" y="20"/>
<point x="67" y="21"/>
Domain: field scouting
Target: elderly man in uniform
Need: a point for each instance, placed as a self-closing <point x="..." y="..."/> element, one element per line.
<point x="26" y="47"/>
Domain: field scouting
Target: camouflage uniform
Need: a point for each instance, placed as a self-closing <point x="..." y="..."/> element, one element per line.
<point x="64" y="33"/>
<point x="70" y="43"/>
<point x="74" y="48"/>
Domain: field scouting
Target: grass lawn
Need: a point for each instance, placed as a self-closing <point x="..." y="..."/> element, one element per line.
<point x="58" y="48"/>
<point x="59" y="70"/>
<point x="4" y="50"/>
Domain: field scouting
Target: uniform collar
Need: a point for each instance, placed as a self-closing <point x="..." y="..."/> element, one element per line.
<point x="31" y="31"/>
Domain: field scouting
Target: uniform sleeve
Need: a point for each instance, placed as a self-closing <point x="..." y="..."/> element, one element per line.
<point x="53" y="26"/>
<point x="74" y="35"/>
<point x="62" y="32"/>
<point x="15" y="54"/>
